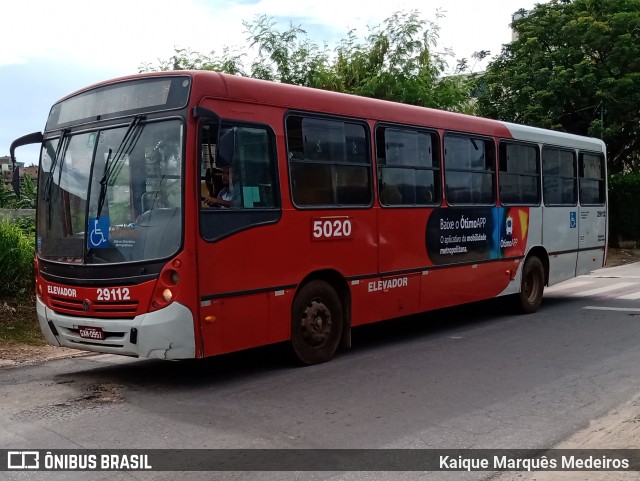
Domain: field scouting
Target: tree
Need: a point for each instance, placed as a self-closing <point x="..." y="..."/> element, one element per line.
<point x="28" y="195"/>
<point x="575" y="67"/>
<point x="287" y="56"/>
<point x="396" y="61"/>
<point x="7" y="198"/>
<point x="186" y="59"/>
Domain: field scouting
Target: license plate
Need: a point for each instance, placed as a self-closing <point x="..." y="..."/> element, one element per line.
<point x="95" y="333"/>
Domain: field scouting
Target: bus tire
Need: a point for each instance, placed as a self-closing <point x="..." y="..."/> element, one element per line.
<point x="316" y="323"/>
<point x="532" y="285"/>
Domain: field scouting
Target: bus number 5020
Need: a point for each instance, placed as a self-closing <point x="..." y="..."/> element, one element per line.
<point x="331" y="228"/>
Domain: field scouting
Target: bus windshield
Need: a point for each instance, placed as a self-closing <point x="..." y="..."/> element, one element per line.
<point x="111" y="195"/>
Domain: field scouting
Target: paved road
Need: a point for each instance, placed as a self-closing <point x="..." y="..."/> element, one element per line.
<point x="469" y="377"/>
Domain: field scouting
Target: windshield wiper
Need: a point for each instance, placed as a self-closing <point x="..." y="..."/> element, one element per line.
<point x="112" y="167"/>
<point x="54" y="162"/>
<point x="58" y="155"/>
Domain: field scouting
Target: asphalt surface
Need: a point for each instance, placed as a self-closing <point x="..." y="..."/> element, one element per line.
<point x="475" y="376"/>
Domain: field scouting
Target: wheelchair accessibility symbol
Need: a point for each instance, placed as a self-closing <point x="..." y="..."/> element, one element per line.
<point x="573" y="223"/>
<point x="98" y="233"/>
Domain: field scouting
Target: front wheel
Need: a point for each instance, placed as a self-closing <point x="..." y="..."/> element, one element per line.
<point x="316" y="323"/>
<point x="532" y="286"/>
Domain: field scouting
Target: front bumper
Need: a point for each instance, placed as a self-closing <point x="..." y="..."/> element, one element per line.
<point x="164" y="334"/>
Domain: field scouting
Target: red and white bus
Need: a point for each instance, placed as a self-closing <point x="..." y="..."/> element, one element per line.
<point x="339" y="211"/>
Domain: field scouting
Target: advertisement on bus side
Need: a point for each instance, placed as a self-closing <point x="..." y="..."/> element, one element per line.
<point x="470" y="234"/>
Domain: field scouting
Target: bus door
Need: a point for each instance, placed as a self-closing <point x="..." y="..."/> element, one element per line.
<point x="560" y="234"/>
<point x="592" y="219"/>
<point x="239" y="244"/>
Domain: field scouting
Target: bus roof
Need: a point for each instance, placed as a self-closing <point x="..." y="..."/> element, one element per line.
<point x="311" y="99"/>
<point x="552" y="137"/>
<point x="244" y="89"/>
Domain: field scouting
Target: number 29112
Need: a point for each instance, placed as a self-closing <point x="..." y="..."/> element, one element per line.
<point x="119" y="294"/>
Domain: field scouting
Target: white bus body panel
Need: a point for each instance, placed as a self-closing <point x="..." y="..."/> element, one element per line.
<point x="573" y="236"/>
<point x="164" y="334"/>
<point x="534" y="239"/>
<point x="559" y="139"/>
<point x="592" y="221"/>
<point x="560" y="239"/>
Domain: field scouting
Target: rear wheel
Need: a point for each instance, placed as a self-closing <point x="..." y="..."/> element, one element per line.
<point x="316" y="323"/>
<point x="532" y="286"/>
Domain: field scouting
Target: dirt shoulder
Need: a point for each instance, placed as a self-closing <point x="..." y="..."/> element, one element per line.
<point x="21" y="341"/>
<point x="21" y="354"/>
<point x="618" y="257"/>
<point x="619" y="429"/>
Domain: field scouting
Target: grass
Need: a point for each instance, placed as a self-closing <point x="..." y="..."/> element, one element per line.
<point x="18" y="320"/>
<point x="16" y="258"/>
<point x="19" y="323"/>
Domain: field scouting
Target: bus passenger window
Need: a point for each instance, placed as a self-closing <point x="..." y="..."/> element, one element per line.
<point x="408" y="167"/>
<point x="329" y="162"/>
<point x="592" y="182"/>
<point x="519" y="174"/>
<point x="469" y="166"/>
<point x="559" y="177"/>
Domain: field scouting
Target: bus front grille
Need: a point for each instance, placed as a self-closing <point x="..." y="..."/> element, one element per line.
<point x="77" y="307"/>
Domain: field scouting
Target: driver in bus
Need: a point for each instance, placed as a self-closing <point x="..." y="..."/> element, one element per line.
<point x="223" y="199"/>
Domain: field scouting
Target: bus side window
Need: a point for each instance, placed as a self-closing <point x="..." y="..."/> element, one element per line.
<point x="409" y="166"/>
<point x="519" y="173"/>
<point x="559" y="176"/>
<point x="469" y="169"/>
<point x="254" y="169"/>
<point x="251" y="195"/>
<point x="592" y="183"/>
<point x="329" y="162"/>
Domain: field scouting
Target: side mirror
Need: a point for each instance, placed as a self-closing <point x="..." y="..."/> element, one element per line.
<point x="33" y="138"/>
<point x="15" y="180"/>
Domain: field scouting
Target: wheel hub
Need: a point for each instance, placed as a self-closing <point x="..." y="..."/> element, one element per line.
<point x="316" y="323"/>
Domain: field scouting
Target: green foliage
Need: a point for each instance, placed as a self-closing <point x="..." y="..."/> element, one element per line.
<point x="624" y="221"/>
<point x="16" y="260"/>
<point x="396" y="61"/>
<point x="575" y="67"/>
<point x="287" y="56"/>
<point x="187" y="59"/>
<point x="19" y="322"/>
<point x="28" y="195"/>
<point x="26" y="225"/>
<point x="7" y="198"/>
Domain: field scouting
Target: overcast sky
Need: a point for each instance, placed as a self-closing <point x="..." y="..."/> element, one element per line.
<point x="51" y="48"/>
